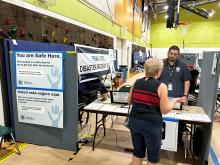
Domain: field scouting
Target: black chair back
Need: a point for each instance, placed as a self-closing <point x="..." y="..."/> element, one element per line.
<point x="125" y="88"/>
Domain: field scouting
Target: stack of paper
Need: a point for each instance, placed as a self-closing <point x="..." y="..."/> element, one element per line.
<point x="94" y="105"/>
<point x="201" y="117"/>
<point x="121" y="110"/>
<point x="183" y="116"/>
<point x="169" y="115"/>
<point x="108" y="107"/>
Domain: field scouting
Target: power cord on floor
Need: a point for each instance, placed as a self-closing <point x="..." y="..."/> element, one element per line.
<point x="116" y="141"/>
<point x="86" y="135"/>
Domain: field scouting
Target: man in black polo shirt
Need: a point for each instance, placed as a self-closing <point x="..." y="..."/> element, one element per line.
<point x="177" y="77"/>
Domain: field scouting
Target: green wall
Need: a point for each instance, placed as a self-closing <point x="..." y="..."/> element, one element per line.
<point x="202" y="33"/>
<point x="77" y="11"/>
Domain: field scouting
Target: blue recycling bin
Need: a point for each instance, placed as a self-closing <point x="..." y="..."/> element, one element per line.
<point x="123" y="69"/>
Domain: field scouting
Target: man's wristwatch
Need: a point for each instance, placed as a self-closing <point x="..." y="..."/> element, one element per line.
<point x="185" y="95"/>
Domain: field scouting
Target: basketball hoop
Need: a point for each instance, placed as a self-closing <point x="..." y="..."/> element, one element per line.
<point x="184" y="26"/>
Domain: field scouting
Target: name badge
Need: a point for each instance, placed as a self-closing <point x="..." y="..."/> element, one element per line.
<point x="177" y="69"/>
<point x="170" y="87"/>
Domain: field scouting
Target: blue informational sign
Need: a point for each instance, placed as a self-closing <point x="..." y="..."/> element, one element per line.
<point x="39" y="87"/>
<point x="39" y="70"/>
<point x="39" y="81"/>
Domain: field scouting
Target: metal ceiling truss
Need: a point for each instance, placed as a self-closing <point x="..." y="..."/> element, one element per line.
<point x="157" y="6"/>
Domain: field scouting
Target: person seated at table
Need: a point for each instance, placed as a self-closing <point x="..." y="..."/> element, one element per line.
<point x="149" y="99"/>
<point x="193" y="83"/>
<point x="192" y="97"/>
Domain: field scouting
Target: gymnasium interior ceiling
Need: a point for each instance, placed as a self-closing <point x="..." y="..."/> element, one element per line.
<point x="158" y="6"/>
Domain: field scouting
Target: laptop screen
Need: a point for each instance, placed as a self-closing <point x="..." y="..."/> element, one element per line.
<point x="119" y="97"/>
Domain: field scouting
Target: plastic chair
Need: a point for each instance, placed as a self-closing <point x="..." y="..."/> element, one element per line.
<point x="125" y="88"/>
<point x="192" y="99"/>
<point x="6" y="131"/>
<point x="187" y="132"/>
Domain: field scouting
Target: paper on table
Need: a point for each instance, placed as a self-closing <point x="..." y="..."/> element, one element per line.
<point x="125" y="106"/>
<point x="201" y="117"/>
<point x="183" y="116"/>
<point x="108" y="107"/>
<point x="121" y="110"/>
<point x="170" y="115"/>
<point x="94" y="105"/>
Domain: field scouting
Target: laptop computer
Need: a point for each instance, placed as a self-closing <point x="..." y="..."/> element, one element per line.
<point x="119" y="97"/>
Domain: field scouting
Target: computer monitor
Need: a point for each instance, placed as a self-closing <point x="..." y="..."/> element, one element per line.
<point x="119" y="97"/>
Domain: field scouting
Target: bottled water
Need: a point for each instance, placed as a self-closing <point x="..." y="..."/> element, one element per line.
<point x="98" y="96"/>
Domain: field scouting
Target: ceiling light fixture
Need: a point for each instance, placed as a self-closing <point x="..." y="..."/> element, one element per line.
<point x="145" y="8"/>
<point x="211" y="13"/>
<point x="166" y="7"/>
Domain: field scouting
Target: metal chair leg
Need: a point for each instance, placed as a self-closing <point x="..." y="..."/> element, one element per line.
<point x="186" y="145"/>
<point x="16" y="146"/>
<point x="2" y="138"/>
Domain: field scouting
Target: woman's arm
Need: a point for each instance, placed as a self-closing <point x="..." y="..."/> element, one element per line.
<point x="165" y="105"/>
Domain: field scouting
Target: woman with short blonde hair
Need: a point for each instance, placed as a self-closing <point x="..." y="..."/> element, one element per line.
<point x="152" y="66"/>
<point x="149" y="98"/>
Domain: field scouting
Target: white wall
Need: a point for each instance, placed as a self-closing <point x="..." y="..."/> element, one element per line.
<point x="104" y="7"/>
<point x="219" y="83"/>
<point x="159" y="52"/>
<point x="119" y="47"/>
<point x="129" y="54"/>
<point x="162" y="52"/>
<point x="126" y="53"/>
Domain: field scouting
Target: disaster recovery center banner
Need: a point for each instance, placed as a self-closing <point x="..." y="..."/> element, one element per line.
<point x="93" y="62"/>
<point x="39" y="87"/>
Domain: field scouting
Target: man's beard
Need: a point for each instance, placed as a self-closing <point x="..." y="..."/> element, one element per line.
<point x="171" y="60"/>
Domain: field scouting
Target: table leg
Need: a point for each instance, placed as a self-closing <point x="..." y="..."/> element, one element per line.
<point x="87" y="118"/>
<point x="1" y="141"/>
<point x="103" y="122"/>
<point x="98" y="124"/>
<point x="193" y="139"/>
<point x="96" y="129"/>
<point x="191" y="132"/>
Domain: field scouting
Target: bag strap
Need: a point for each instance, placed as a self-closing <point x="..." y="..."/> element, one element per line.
<point x="128" y="114"/>
<point x="129" y="108"/>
